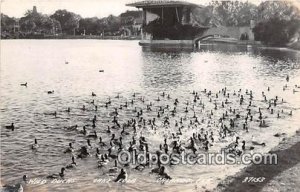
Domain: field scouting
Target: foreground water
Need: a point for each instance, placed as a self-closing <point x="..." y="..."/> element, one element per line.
<point x="127" y="69"/>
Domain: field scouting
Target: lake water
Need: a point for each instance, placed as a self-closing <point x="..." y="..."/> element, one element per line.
<point x="127" y="69"/>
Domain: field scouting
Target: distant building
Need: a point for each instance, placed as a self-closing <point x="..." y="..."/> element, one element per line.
<point x="131" y="22"/>
<point x="16" y="26"/>
<point x="34" y="10"/>
<point x="137" y="26"/>
<point x="168" y="22"/>
<point x="183" y="24"/>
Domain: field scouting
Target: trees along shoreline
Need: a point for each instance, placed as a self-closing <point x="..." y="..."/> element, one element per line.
<point x="277" y="23"/>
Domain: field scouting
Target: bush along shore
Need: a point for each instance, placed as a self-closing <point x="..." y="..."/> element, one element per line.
<point x="43" y="36"/>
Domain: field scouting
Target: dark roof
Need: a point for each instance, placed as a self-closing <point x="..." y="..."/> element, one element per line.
<point x="161" y="3"/>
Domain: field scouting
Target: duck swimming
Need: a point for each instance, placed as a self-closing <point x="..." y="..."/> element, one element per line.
<point x="70" y="149"/>
<point x="124" y="132"/>
<point x="83" y="131"/>
<point x="113" y="156"/>
<point x="89" y="145"/>
<point x="156" y="170"/>
<point x="103" y="161"/>
<point x="83" y="152"/>
<point x="72" y="165"/>
<point x="122" y="176"/>
<point x="101" y="143"/>
<point x="244" y="146"/>
<point x="68" y="110"/>
<point x="232" y="146"/>
<point x="11" y="127"/>
<point x="185" y="124"/>
<point x="108" y="130"/>
<point x="25" y="178"/>
<point x="98" y="154"/>
<point x="163" y="174"/>
<point x="35" y="146"/>
<point x="57" y="176"/>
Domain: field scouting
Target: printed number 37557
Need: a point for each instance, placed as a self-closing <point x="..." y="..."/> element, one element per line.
<point x="253" y="180"/>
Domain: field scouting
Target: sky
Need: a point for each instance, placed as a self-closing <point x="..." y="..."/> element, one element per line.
<point x="85" y="8"/>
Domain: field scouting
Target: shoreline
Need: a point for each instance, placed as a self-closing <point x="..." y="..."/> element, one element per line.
<point x="237" y="43"/>
<point x="288" y="152"/>
<point x="63" y="37"/>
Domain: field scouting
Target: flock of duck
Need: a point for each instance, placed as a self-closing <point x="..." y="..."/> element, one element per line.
<point x="193" y="124"/>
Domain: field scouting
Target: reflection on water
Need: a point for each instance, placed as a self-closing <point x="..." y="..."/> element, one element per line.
<point x="127" y="69"/>
<point x="226" y="48"/>
<point x="163" y="70"/>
